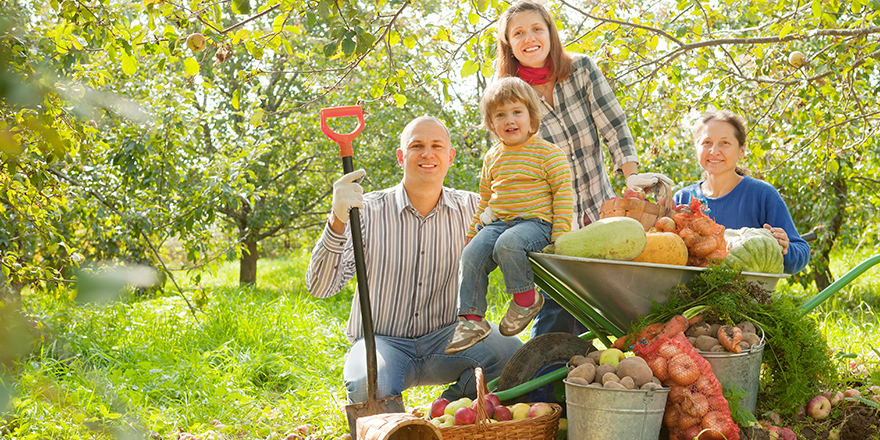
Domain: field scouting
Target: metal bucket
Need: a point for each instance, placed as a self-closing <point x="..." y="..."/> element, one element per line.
<point x="609" y="414"/>
<point x="740" y="369"/>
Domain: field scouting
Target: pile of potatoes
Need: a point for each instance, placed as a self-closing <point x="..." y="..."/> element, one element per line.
<point x="631" y="373"/>
<point x="705" y="337"/>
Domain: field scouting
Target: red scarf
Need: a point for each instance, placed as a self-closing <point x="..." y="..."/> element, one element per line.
<point x="534" y="75"/>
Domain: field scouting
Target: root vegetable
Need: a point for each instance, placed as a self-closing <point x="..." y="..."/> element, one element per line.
<point x="699" y="329"/>
<point x="703" y="247"/>
<point x="577" y="380"/>
<point x="610" y="377"/>
<point x="614" y="385"/>
<point x="577" y="360"/>
<point x="636" y="368"/>
<point x="658" y="366"/>
<point x="747" y="327"/>
<point x="717" y="349"/>
<point x="602" y="369"/>
<point x="678" y="324"/>
<point x="683" y="369"/>
<point x="729" y="337"/>
<point x="628" y="383"/>
<point x="705" y="343"/>
<point x="585" y="371"/>
<point x="751" y="338"/>
<point x="695" y="404"/>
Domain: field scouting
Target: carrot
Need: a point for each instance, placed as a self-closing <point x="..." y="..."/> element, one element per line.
<point x="730" y="337"/>
<point x="676" y="325"/>
<point x="695" y="319"/>
<point x="624" y="343"/>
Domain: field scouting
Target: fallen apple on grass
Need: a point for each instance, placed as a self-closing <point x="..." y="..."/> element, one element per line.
<point x="819" y="407"/>
<point x="835" y="397"/>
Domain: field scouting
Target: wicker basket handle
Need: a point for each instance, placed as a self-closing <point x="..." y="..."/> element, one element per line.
<point x="661" y="189"/>
<point x="482" y="391"/>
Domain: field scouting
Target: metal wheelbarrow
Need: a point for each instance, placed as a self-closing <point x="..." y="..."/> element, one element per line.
<point x="606" y="296"/>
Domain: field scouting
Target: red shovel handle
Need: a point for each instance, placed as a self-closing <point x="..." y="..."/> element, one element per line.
<point x="344" y="140"/>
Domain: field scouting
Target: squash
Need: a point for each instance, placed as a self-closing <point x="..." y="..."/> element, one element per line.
<point x="753" y="250"/>
<point x="612" y="238"/>
<point x="664" y="248"/>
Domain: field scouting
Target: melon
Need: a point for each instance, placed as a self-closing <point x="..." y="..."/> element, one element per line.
<point x="753" y="250"/>
<point x="612" y="238"/>
<point x="664" y="248"/>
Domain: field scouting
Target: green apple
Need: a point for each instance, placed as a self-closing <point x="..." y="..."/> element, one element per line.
<point x="520" y="410"/>
<point x="611" y="356"/>
<point x="454" y="406"/>
<point x="196" y="42"/>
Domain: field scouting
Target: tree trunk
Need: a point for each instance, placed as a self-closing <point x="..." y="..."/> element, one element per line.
<point x="822" y="261"/>
<point x="247" y="273"/>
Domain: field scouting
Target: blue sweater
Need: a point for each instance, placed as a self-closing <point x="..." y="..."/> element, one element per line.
<point x="751" y="204"/>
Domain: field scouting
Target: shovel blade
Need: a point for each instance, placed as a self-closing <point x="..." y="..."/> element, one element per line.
<point x="393" y="404"/>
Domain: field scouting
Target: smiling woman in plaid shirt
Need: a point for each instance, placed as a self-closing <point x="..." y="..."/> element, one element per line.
<point x="578" y="106"/>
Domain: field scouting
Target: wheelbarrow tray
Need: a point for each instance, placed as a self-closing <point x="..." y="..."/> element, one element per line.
<point x="608" y="295"/>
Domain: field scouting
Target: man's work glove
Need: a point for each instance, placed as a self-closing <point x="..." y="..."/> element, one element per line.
<point x="487" y="216"/>
<point x="645" y="180"/>
<point x="347" y="194"/>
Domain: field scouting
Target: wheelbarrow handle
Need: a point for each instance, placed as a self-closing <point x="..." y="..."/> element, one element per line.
<point x="344" y="140"/>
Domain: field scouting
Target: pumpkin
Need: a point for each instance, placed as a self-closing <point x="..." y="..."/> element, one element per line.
<point x="664" y="248"/>
<point x="753" y="250"/>
<point x="612" y="238"/>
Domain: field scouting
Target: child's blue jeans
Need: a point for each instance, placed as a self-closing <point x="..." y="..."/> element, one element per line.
<point x="503" y="244"/>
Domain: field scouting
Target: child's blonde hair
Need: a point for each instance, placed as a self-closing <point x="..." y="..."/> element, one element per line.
<point x="510" y="89"/>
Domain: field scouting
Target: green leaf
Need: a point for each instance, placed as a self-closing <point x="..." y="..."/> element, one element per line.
<point x="330" y="49"/>
<point x="190" y="66"/>
<point x="400" y="100"/>
<point x="256" y="117"/>
<point x="236" y="95"/>
<point x="393" y="38"/>
<point x="348" y="45"/>
<point x="129" y="63"/>
<point x="487" y="70"/>
<point x="473" y="18"/>
<point x="786" y="30"/>
<point x="817" y="8"/>
<point x="469" y="68"/>
<point x="375" y="91"/>
<point x="409" y="42"/>
<point x="278" y="23"/>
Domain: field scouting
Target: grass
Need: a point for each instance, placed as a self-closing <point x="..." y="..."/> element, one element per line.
<point x="260" y="360"/>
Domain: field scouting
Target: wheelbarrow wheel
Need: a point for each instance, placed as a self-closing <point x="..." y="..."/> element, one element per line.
<point x="538" y="356"/>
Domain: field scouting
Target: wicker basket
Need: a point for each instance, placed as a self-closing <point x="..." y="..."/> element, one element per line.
<point x="646" y="213"/>
<point x="532" y="428"/>
<point x="396" y="426"/>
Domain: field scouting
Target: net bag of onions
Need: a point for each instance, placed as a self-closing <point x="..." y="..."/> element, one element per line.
<point x="695" y="407"/>
<point x="703" y="237"/>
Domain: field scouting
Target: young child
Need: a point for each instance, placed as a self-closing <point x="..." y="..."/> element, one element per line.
<point x="525" y="183"/>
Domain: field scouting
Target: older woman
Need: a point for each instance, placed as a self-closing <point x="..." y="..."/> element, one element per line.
<point x="734" y="199"/>
<point x="578" y="106"/>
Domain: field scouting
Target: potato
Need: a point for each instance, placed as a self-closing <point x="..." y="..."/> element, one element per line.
<point x="595" y="355"/>
<point x="656" y="380"/>
<point x="649" y="386"/>
<point x="705" y="343"/>
<point x="747" y="327"/>
<point x="614" y="385"/>
<point x="636" y="368"/>
<point x="699" y="329"/>
<point x="718" y="349"/>
<point x="752" y="339"/>
<point x="628" y="382"/>
<point x="605" y="368"/>
<point x="596" y="385"/>
<point x="692" y="340"/>
<point x="713" y="329"/>
<point x="585" y="371"/>
<point x="610" y="377"/>
<point x="578" y="380"/>
<point x="577" y="360"/>
<point x="745" y="346"/>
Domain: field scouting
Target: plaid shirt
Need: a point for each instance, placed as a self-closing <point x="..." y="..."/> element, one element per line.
<point x="586" y="106"/>
<point x="411" y="261"/>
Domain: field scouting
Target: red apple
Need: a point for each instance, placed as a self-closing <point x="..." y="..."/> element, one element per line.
<point x="819" y="407"/>
<point x="665" y="224"/>
<point x="852" y="393"/>
<point x="496" y="402"/>
<point x="834" y="397"/>
<point x="438" y="407"/>
<point x="465" y="416"/>
<point x="502" y="414"/>
<point x="539" y="409"/>
<point x="635" y="194"/>
<point x="490" y="408"/>
<point x="788" y="434"/>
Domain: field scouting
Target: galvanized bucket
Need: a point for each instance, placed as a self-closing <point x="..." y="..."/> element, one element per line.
<point x="740" y="369"/>
<point x="608" y="414"/>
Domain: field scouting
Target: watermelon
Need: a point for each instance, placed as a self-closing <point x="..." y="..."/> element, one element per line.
<point x="753" y="250"/>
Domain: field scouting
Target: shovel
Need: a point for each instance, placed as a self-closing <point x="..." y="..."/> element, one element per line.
<point x="373" y="405"/>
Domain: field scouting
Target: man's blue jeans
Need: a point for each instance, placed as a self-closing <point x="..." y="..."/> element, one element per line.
<point x="405" y="363"/>
<point x="503" y="244"/>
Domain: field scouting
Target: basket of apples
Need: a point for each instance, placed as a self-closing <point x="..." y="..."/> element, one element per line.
<point x="637" y="204"/>
<point x="487" y="419"/>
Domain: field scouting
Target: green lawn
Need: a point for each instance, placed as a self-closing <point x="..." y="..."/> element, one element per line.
<point x="261" y="361"/>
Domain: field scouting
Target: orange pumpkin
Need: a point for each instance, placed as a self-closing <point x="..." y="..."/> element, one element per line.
<point x="664" y="248"/>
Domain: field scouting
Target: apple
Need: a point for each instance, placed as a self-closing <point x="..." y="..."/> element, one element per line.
<point x="465" y="416"/>
<point x="665" y="224"/>
<point x="490" y="408"/>
<point x="819" y="407"/>
<point x="788" y="434"/>
<point x="797" y="58"/>
<point x="438" y="407"/>
<point x="835" y="397"/>
<point x="774" y="432"/>
<point x="611" y="356"/>
<point x="634" y="194"/>
<point x="519" y="411"/>
<point x="196" y="42"/>
<point x="539" y="409"/>
<point x="447" y="420"/>
<point x="452" y="407"/>
<point x="852" y="393"/>
<point x="496" y="402"/>
<point x="502" y="414"/>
